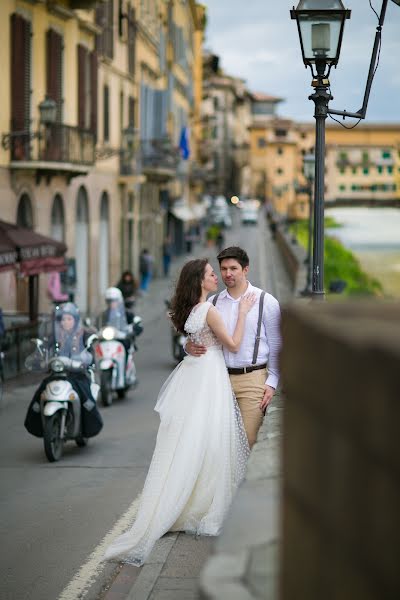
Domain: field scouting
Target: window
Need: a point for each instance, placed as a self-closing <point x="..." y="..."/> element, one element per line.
<point x="354" y="170"/>
<point x="261" y="142"/>
<point x="386" y="154"/>
<point x="280" y="132"/>
<point x="87" y="81"/>
<point x="365" y="170"/>
<point x="20" y="62"/>
<point x="280" y="150"/>
<point x="390" y="169"/>
<point x="342" y="188"/>
<point x="279" y="171"/>
<point x="342" y="155"/>
<point x="105" y="20"/>
<point x="106" y="115"/>
<point x="342" y="170"/>
<point x="380" y="169"/>
<point x="54" y="64"/>
<point x="365" y="157"/>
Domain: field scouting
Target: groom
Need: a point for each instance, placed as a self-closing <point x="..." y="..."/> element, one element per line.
<point x="252" y="383"/>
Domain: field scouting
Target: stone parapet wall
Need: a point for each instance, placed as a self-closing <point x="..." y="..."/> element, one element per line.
<point x="341" y="452"/>
<point x="293" y="256"/>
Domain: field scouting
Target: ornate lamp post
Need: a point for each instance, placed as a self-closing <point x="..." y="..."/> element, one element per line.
<point x="320" y="25"/>
<point x="309" y="173"/>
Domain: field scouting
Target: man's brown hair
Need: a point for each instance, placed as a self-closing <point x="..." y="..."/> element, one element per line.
<point x="236" y="253"/>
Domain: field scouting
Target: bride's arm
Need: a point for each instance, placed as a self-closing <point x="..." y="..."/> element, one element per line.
<point x="215" y="322"/>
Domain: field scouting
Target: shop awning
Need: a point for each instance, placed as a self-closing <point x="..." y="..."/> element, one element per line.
<point x="30" y="252"/>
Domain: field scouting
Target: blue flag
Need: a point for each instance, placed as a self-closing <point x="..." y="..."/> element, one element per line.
<point x="184" y="143"/>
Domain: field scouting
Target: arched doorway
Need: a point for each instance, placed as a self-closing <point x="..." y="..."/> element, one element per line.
<point x="104" y="243"/>
<point x="57" y="219"/>
<point x="82" y="250"/>
<point x="26" y="287"/>
<point x="24" y="212"/>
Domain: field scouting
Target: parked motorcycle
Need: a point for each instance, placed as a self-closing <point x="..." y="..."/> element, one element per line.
<point x="64" y="406"/>
<point x="115" y="360"/>
<point x="178" y="340"/>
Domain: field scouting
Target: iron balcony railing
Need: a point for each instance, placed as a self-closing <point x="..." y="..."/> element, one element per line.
<point x="159" y="154"/>
<point x="56" y="143"/>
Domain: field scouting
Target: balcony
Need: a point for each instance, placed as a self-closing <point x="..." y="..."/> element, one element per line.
<point x="54" y="149"/>
<point x="159" y="158"/>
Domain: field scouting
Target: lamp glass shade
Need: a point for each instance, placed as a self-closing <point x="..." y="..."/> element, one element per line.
<point x="309" y="166"/>
<point x="320" y="24"/>
<point x="129" y="135"/>
<point x="48" y="111"/>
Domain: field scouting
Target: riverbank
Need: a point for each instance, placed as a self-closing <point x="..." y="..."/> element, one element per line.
<point x="340" y="263"/>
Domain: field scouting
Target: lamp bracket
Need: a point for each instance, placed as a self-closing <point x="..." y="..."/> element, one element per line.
<point x="361" y="113"/>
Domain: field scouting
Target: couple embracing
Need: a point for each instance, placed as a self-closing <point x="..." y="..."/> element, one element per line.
<point x="210" y="407"/>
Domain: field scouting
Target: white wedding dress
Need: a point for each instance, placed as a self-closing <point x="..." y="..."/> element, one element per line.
<point x="200" y="455"/>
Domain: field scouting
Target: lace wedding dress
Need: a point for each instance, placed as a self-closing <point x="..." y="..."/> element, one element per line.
<point x="200" y="455"/>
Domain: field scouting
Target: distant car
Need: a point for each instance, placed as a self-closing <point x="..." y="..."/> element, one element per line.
<point x="249" y="215"/>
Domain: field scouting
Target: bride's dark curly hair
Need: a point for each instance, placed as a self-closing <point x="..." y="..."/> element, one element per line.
<point x="187" y="292"/>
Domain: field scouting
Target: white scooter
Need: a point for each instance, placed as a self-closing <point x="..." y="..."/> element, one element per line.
<point x="60" y="406"/>
<point x="116" y="366"/>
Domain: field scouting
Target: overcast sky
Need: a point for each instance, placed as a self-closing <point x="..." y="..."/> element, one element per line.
<point x="257" y="40"/>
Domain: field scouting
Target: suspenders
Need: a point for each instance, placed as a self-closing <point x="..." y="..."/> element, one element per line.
<point x="260" y="313"/>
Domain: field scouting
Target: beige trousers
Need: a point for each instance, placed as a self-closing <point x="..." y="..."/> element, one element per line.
<point x="249" y="391"/>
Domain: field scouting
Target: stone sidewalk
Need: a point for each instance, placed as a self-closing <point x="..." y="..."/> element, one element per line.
<point x="242" y="563"/>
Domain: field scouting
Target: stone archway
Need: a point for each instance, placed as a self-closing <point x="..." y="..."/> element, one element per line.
<point x="82" y="250"/>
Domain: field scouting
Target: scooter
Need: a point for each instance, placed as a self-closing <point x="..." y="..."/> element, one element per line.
<point x="60" y="405"/>
<point x="178" y="340"/>
<point x="115" y="363"/>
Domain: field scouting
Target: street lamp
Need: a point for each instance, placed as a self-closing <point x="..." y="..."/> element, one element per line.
<point x="48" y="111"/>
<point x="320" y="26"/>
<point x="309" y="173"/>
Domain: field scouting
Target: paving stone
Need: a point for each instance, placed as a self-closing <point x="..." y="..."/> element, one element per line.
<point x="144" y="584"/>
<point x="262" y="572"/>
<point x="176" y="583"/>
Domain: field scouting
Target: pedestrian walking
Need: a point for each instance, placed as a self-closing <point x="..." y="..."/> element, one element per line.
<point x="167" y="255"/>
<point x="146" y="263"/>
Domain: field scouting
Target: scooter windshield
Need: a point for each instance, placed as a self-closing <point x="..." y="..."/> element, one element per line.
<point x="68" y="332"/>
<point x="115" y="315"/>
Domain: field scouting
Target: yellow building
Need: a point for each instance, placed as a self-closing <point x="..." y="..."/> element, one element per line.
<point x="48" y="51"/>
<point x="361" y="164"/>
<point x="102" y="177"/>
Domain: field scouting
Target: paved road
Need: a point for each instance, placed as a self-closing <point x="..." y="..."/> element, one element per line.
<point x="54" y="516"/>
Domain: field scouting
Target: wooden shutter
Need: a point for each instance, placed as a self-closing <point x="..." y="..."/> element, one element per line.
<point x="55" y="69"/>
<point x="82" y="51"/>
<point x="131" y="110"/>
<point x="20" y="73"/>
<point x="93" y="92"/>
<point x="106" y="113"/>
<point x="131" y="40"/>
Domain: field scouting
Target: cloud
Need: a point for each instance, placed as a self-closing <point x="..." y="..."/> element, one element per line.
<point x="258" y="41"/>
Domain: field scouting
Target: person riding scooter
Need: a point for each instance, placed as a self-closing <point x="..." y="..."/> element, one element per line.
<point x="116" y="316"/>
<point x="71" y="343"/>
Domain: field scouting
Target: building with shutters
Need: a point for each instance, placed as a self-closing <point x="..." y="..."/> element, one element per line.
<point x="104" y="176"/>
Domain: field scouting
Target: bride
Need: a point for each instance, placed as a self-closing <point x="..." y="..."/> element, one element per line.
<point x="201" y="449"/>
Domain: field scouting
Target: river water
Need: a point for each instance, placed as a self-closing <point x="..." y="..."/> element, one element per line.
<point x="373" y="235"/>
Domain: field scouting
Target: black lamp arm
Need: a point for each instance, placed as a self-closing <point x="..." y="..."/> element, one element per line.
<point x="361" y="113"/>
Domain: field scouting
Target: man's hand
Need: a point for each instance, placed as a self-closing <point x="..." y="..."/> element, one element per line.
<point x="268" y="394"/>
<point x="195" y="349"/>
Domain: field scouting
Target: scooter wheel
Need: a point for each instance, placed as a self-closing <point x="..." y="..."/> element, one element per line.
<point x="106" y="392"/>
<point x="53" y="444"/>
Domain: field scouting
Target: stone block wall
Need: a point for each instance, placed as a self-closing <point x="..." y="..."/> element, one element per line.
<point x="341" y="452"/>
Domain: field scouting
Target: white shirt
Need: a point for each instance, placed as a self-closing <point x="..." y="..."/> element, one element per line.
<point x="270" y="342"/>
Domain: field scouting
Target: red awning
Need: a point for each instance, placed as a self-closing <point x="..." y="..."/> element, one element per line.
<point x="33" y="252"/>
